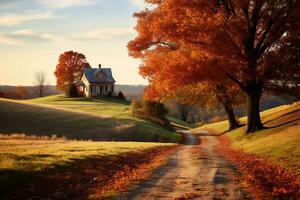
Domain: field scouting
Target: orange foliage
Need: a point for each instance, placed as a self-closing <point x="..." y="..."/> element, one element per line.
<point x="262" y="175"/>
<point x="22" y="91"/>
<point x="254" y="44"/>
<point x="96" y="176"/>
<point x="69" y="69"/>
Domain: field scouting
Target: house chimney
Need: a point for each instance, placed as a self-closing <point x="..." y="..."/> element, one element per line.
<point x="99" y="66"/>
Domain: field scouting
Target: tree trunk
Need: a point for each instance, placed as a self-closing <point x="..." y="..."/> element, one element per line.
<point x="233" y="123"/>
<point x="253" y="112"/>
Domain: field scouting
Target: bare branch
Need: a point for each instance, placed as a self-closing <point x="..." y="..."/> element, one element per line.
<point x="40" y="83"/>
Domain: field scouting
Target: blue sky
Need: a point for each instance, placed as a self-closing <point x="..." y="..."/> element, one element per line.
<point x="33" y="33"/>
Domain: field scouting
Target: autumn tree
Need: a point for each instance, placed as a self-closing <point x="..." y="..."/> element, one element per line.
<point x="252" y="43"/>
<point x="69" y="69"/>
<point x="184" y="110"/>
<point x="207" y="95"/>
<point x="40" y="84"/>
<point x="22" y="91"/>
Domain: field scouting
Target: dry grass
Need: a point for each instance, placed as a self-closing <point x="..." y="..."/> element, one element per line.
<point x="25" y="161"/>
<point x="18" y="136"/>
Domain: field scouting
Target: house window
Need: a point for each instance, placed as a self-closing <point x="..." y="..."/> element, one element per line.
<point x="101" y="90"/>
<point x="106" y="88"/>
<point x="81" y="88"/>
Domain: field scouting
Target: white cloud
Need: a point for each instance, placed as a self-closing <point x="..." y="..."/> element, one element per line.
<point x="66" y="3"/>
<point x="10" y="40"/>
<point x="28" y="35"/>
<point x="22" y="36"/>
<point x="138" y="3"/>
<point x="15" y="19"/>
<point x="24" y="32"/>
<point x="107" y="33"/>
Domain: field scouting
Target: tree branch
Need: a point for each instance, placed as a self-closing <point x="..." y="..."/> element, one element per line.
<point x="231" y="77"/>
<point x="264" y="36"/>
<point x="162" y="43"/>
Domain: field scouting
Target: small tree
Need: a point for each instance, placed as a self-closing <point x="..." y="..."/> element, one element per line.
<point x="110" y="94"/>
<point x="22" y="91"/>
<point x="40" y="83"/>
<point x="184" y="110"/>
<point x="121" y="96"/>
<point x="155" y="109"/>
<point x="136" y="107"/>
<point x="72" y="91"/>
<point x="69" y="69"/>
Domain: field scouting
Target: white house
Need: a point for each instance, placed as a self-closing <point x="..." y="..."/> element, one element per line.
<point x="96" y="82"/>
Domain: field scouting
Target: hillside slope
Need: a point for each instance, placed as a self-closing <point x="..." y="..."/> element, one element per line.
<point x="279" y="142"/>
<point x="80" y="118"/>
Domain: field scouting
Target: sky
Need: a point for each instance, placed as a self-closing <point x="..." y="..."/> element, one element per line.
<point x="33" y="33"/>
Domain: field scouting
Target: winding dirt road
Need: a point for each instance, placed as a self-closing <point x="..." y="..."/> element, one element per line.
<point x="193" y="172"/>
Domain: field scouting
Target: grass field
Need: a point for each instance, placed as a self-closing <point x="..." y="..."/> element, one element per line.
<point x="179" y="123"/>
<point x="279" y="142"/>
<point x="79" y="118"/>
<point x="21" y="160"/>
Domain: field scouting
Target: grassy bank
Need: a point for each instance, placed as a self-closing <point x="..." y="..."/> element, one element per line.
<point x="278" y="143"/>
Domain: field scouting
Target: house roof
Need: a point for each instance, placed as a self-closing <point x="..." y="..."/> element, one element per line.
<point x="99" y="75"/>
<point x="79" y="83"/>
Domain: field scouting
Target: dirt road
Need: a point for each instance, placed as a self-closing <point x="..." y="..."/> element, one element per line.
<point x="194" y="172"/>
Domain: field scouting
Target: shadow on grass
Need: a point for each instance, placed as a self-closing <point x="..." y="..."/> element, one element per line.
<point x="284" y="119"/>
<point x="283" y="124"/>
<point x="94" y="99"/>
<point x="10" y="180"/>
<point x="33" y="120"/>
<point x="75" y="179"/>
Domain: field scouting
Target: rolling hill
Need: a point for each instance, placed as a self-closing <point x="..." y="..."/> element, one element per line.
<point x="79" y="118"/>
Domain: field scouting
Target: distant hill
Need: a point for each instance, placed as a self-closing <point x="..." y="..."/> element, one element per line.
<point x="130" y="91"/>
<point x="51" y="90"/>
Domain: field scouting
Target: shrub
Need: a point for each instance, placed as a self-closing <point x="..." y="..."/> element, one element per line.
<point x="72" y="91"/>
<point x="110" y="94"/>
<point x="121" y="96"/>
<point x="155" y="109"/>
<point x="11" y="95"/>
<point x="136" y="107"/>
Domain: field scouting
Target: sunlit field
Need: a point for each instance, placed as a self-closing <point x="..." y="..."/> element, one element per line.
<point x="80" y="118"/>
<point x="23" y="161"/>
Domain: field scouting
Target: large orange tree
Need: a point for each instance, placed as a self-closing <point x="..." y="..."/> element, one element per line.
<point x="171" y="68"/>
<point x="69" y="69"/>
<point x="252" y="43"/>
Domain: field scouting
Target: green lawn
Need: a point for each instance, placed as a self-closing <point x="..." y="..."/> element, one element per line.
<point x="79" y="118"/>
<point x="279" y="142"/>
<point x="179" y="123"/>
